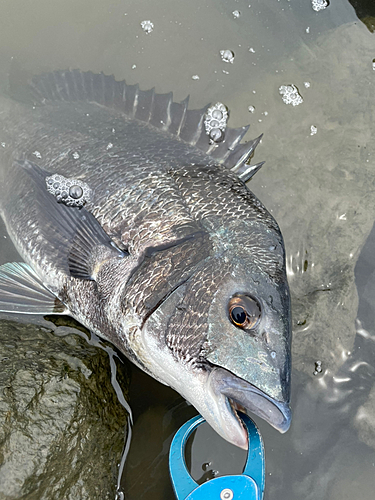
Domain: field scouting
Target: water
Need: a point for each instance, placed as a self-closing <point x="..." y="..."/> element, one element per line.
<point x="318" y="186"/>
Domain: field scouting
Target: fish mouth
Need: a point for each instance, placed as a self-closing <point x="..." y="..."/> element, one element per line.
<point x="232" y="393"/>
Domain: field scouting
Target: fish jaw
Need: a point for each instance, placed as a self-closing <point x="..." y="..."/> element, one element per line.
<point x="235" y="393"/>
<point x="224" y="393"/>
<point x="214" y="392"/>
<point x="198" y="387"/>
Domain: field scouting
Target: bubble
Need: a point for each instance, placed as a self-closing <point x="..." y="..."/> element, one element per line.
<point x="251" y="109"/>
<point x="236" y="14"/>
<point x="147" y="26"/>
<point x="56" y="185"/>
<point x="318" y="5"/>
<point x="76" y="192"/>
<point x="290" y="95"/>
<point x="217" y="114"/>
<point x="64" y="194"/>
<point x="273" y="354"/>
<point x="227" y="56"/>
<point x="216" y="135"/>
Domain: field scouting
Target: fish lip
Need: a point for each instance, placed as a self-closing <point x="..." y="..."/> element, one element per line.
<point x="249" y="399"/>
<point x="276" y="413"/>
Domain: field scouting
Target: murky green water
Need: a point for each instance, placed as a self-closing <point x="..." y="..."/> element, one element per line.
<point x="319" y="186"/>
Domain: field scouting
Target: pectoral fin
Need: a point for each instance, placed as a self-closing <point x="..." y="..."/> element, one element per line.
<point x="91" y="246"/>
<point x="21" y="291"/>
<point x="78" y="241"/>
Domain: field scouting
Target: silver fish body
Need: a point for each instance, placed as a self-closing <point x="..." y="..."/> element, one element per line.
<point x="171" y="258"/>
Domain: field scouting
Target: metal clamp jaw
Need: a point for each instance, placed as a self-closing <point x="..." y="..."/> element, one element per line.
<point x="249" y="485"/>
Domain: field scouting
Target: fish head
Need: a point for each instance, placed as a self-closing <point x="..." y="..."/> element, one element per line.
<point x="222" y="339"/>
<point x="248" y="347"/>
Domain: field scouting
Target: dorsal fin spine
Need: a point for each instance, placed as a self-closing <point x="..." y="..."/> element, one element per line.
<point x="135" y="101"/>
<point x="151" y="105"/>
<point x="184" y="103"/>
<point x="169" y="118"/>
<point x="161" y="112"/>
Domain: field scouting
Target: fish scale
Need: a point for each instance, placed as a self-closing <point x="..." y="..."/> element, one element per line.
<point x="193" y="328"/>
<point x="168" y="241"/>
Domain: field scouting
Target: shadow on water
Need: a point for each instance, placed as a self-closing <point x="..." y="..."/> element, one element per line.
<point x="317" y="182"/>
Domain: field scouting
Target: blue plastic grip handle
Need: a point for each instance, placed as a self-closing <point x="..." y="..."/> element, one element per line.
<point x="248" y="485"/>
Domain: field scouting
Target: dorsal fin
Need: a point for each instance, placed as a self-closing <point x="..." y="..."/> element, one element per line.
<point x="145" y="105"/>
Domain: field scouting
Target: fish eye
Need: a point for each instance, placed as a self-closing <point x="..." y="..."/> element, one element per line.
<point x="244" y="311"/>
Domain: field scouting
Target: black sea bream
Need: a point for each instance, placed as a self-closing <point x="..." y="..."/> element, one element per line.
<point x="133" y="220"/>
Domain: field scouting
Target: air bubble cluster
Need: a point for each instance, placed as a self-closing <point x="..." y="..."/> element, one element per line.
<point x="318" y="5"/>
<point x="71" y="192"/>
<point x="290" y="95"/>
<point x="147" y="26"/>
<point x="318" y="367"/>
<point x="215" y="122"/>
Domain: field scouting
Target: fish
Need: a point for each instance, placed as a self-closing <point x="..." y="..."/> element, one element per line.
<point x="134" y="220"/>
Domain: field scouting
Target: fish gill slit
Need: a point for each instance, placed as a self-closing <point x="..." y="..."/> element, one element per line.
<point x="162" y="300"/>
